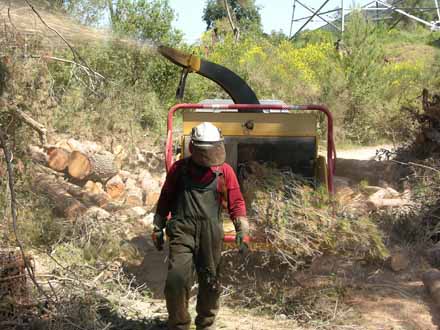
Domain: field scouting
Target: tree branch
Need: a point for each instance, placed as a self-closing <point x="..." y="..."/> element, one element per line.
<point x="86" y="69"/>
<point x="416" y="165"/>
<point x="10" y="169"/>
<point x="234" y="28"/>
<point x="9" y="16"/>
<point x="41" y="130"/>
<point x="72" y="49"/>
<point x="112" y="12"/>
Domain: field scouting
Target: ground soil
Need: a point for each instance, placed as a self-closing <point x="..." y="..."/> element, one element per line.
<point x="377" y="298"/>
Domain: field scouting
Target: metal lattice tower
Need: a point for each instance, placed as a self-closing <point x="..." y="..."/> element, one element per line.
<point x="377" y="6"/>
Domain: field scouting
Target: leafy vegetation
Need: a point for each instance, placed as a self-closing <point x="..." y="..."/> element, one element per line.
<point x="365" y="79"/>
<point x="245" y="12"/>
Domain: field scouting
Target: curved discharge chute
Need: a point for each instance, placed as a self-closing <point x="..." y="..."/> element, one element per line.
<point x="236" y="87"/>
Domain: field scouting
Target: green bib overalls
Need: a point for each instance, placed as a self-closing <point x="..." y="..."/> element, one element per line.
<point x="195" y="233"/>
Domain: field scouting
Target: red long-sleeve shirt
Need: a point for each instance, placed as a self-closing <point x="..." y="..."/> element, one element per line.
<point x="170" y="189"/>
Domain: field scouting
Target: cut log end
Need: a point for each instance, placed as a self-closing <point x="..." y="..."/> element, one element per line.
<point x="99" y="167"/>
<point x="58" y="159"/>
<point x="134" y="197"/>
<point x="79" y="165"/>
<point x="115" y="187"/>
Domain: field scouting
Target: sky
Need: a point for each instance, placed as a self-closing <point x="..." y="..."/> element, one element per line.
<point x="275" y="15"/>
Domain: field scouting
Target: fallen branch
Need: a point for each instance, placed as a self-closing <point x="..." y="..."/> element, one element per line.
<point x="417" y="165"/>
<point x="9" y="16"/>
<point x="63" y="60"/>
<point x="73" y="50"/>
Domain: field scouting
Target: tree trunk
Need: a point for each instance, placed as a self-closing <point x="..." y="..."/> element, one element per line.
<point x="88" y="198"/>
<point x="85" y="147"/>
<point x="94" y="187"/>
<point x="64" y="202"/>
<point x="113" y="17"/>
<point x="103" y="166"/>
<point x="84" y="196"/>
<point x="98" y="167"/>
<point x="234" y="28"/>
<point x="374" y="172"/>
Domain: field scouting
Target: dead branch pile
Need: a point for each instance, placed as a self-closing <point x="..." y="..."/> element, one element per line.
<point x="301" y="228"/>
<point x="427" y="141"/>
<point x="422" y="156"/>
<point x="81" y="179"/>
<point x="302" y="223"/>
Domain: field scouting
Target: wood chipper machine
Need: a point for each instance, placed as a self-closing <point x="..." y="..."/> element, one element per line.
<point x="266" y="131"/>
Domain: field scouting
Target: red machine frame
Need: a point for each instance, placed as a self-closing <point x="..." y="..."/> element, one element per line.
<point x="331" y="150"/>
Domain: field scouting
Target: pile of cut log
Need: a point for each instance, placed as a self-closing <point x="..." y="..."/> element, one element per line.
<point x="361" y="199"/>
<point x="81" y="178"/>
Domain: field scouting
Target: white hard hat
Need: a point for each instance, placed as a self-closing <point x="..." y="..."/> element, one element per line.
<point x="205" y="134"/>
<point x="207" y="146"/>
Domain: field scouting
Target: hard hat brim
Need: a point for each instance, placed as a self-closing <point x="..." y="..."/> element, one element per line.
<point x="205" y="144"/>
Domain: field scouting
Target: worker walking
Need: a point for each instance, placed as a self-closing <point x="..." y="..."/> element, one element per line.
<point x="194" y="192"/>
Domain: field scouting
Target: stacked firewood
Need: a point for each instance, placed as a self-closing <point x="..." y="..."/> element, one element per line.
<point x="79" y="177"/>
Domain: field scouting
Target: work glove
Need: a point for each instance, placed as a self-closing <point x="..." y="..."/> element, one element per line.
<point x="158" y="235"/>
<point x="242" y="238"/>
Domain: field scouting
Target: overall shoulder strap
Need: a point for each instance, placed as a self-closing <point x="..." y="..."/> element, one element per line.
<point x="223" y="187"/>
<point x="184" y="173"/>
<point x="185" y="165"/>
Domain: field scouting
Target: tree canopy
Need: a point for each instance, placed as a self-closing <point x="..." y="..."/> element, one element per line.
<point x="145" y="19"/>
<point x="245" y="12"/>
<point x="141" y="19"/>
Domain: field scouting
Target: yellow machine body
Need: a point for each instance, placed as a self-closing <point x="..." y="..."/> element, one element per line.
<point x="286" y="139"/>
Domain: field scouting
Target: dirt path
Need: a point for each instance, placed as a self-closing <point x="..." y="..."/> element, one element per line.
<point x="376" y="299"/>
<point x="362" y="153"/>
